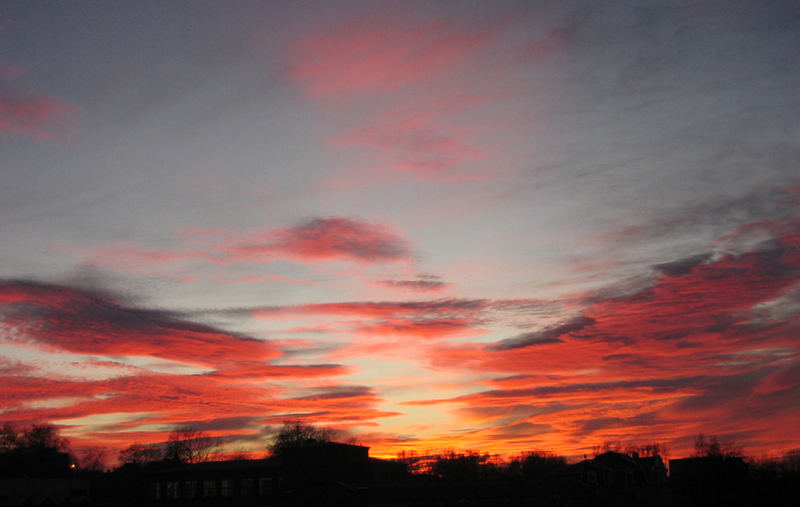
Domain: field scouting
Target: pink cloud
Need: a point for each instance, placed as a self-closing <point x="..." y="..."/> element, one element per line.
<point x="35" y="116"/>
<point x="379" y="55"/>
<point x="10" y="71"/>
<point x="418" y="285"/>
<point x="418" y="144"/>
<point x="319" y="239"/>
<point x="329" y="238"/>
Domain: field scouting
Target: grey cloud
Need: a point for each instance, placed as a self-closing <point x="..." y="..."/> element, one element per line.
<point x="682" y="266"/>
<point x="546" y="336"/>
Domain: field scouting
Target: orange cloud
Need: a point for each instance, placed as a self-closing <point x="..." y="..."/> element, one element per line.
<point x="712" y="341"/>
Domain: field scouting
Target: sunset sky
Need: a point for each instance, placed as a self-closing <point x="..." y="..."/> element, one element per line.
<point x="502" y="226"/>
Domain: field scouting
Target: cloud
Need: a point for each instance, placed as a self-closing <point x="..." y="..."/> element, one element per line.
<point x="429" y="328"/>
<point x="318" y="239"/>
<point x="234" y="389"/>
<point x="418" y="285"/>
<point x="682" y="266"/>
<point x="9" y="71"/>
<point x="86" y="322"/>
<point x="380" y="54"/>
<point x="331" y="238"/>
<point x="413" y="309"/>
<point x="257" y="370"/>
<point x="423" y="144"/>
<point x="546" y="336"/>
<point x="710" y="340"/>
<point x="24" y="112"/>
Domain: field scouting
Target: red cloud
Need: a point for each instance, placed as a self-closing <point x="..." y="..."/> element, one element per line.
<point x="31" y="115"/>
<point x="83" y="322"/>
<point x="330" y="238"/>
<point x="380" y="55"/>
<point x="712" y="341"/>
<point x="413" y="309"/>
<point x="320" y="239"/>
<point x="430" y="328"/>
<point x="335" y="238"/>
<point x="236" y="388"/>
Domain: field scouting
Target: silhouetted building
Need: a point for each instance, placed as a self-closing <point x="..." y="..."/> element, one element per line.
<point x="319" y="473"/>
<point x="709" y="480"/>
<point x="240" y="482"/>
<point x="611" y="478"/>
<point x="40" y="477"/>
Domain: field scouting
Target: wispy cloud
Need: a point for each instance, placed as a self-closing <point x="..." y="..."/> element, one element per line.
<point x="318" y="239"/>
<point x="418" y="144"/>
<point x="380" y="54"/>
<point x="545" y="336"/>
<point x="237" y="379"/>
<point x="29" y="114"/>
<point x="426" y="284"/>
<point x="325" y="238"/>
<point x="79" y="321"/>
<point x="707" y="334"/>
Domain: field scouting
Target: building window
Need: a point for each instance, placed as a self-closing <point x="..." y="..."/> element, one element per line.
<point x="209" y="488"/>
<point x="190" y="489"/>
<point x="172" y="490"/>
<point x="248" y="486"/>
<point x="158" y="492"/>
<point x="264" y="486"/>
<point x="226" y="487"/>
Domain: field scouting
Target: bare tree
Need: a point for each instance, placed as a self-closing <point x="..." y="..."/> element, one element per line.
<point x="140" y="454"/>
<point x="535" y="464"/>
<point x="299" y="434"/>
<point x="9" y="437"/>
<point x="648" y="450"/>
<point x="43" y="437"/>
<point x="462" y="466"/>
<point x="190" y="445"/>
<point x="714" y="448"/>
<point x="93" y="460"/>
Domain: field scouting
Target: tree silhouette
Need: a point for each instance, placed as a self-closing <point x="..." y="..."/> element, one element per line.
<point x="714" y="448"/>
<point x="9" y="437"/>
<point x="140" y="454"/>
<point x="44" y="437"/>
<point x="299" y="434"/>
<point x="466" y="466"/>
<point x="536" y="464"/>
<point x="190" y="445"/>
<point x="93" y="459"/>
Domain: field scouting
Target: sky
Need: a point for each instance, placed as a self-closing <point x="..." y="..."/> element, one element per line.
<point x="502" y="226"/>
